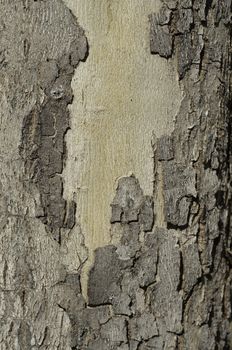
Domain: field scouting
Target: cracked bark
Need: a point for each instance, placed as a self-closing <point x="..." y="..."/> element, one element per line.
<point x="158" y="287"/>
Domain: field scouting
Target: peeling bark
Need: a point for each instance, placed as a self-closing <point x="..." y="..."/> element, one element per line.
<point x="171" y="284"/>
<point x="41" y="45"/>
<point x="43" y="133"/>
<point x="201" y="145"/>
<point x="152" y="287"/>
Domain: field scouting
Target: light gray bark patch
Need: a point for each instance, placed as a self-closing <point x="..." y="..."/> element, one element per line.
<point x="155" y="343"/>
<point x="98" y="344"/>
<point x="24" y="336"/>
<point x="115" y="330"/>
<point x="43" y="132"/>
<point x="165" y="298"/>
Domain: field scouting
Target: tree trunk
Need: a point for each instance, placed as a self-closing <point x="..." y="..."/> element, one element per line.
<point x="115" y="179"/>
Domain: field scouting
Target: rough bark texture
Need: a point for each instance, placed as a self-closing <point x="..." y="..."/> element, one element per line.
<point x="163" y="287"/>
<point x="41" y="44"/>
<point x="196" y="175"/>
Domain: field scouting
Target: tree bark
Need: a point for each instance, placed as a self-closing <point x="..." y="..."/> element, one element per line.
<point x="145" y="264"/>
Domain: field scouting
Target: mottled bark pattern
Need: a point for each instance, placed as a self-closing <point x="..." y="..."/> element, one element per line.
<point x="40" y="45"/>
<point x="43" y="134"/>
<point x="165" y="286"/>
<point x="170" y="287"/>
<point x="196" y="173"/>
<point x="119" y="313"/>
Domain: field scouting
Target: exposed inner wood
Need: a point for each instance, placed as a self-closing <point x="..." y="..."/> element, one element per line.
<point x="115" y="222"/>
<point x="120" y="102"/>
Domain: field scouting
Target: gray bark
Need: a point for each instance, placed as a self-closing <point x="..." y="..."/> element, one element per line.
<point x="160" y="286"/>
